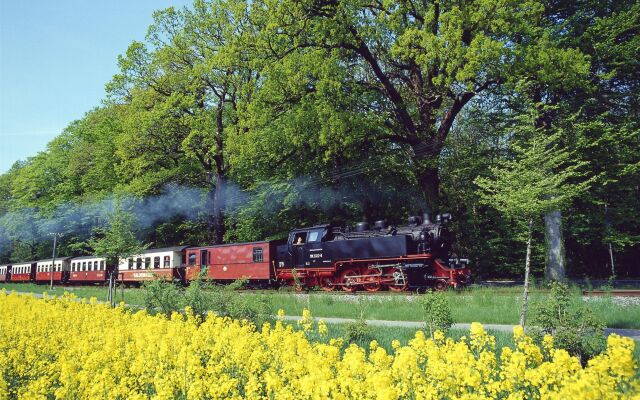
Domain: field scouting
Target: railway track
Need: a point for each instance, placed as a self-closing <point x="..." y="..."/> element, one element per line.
<point x="613" y="292"/>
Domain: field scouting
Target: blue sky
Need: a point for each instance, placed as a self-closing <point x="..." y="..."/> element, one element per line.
<point x="55" y="58"/>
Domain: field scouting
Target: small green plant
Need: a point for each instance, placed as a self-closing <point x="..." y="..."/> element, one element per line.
<point x="297" y="284"/>
<point x="226" y="301"/>
<point x="437" y="312"/>
<point x="161" y="295"/>
<point x="574" y="327"/>
<point x="198" y="296"/>
<point x="587" y="284"/>
<point x="608" y="286"/>
<point x="358" y="332"/>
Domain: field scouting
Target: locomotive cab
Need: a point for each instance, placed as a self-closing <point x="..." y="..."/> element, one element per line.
<point x="304" y="247"/>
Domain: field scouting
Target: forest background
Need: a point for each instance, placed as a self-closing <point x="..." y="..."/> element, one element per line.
<point x="239" y="120"/>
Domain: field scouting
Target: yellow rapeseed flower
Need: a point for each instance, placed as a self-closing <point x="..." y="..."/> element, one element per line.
<point x="62" y="348"/>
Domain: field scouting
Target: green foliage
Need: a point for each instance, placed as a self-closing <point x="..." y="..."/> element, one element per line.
<point x="540" y="177"/>
<point x="203" y="297"/>
<point x="358" y="332"/>
<point x="161" y="295"/>
<point x="437" y="312"/>
<point x="197" y="297"/>
<point x="225" y="300"/>
<point x="119" y="240"/>
<point x="574" y="327"/>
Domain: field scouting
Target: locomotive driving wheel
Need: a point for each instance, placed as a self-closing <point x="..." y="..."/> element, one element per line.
<point x="349" y="280"/>
<point x="372" y="280"/>
<point x="398" y="280"/>
<point x="440" y="285"/>
<point x="327" y="284"/>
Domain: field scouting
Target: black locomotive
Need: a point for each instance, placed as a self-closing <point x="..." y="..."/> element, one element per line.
<point x="397" y="258"/>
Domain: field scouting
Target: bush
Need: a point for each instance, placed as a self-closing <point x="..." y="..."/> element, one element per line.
<point x="227" y="302"/>
<point x="574" y="327"/>
<point x="252" y="308"/>
<point x="161" y="295"/>
<point x="203" y="297"/>
<point x="437" y="312"/>
<point x="358" y="332"/>
<point x="198" y="298"/>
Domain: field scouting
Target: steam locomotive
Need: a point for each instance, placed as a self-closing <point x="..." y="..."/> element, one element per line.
<point x="413" y="256"/>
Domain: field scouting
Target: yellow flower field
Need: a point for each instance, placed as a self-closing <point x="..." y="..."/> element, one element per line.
<point x="70" y="350"/>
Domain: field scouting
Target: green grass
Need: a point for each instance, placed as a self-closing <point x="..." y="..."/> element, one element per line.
<point x="486" y="305"/>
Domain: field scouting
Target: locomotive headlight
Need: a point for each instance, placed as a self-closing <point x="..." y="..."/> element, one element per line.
<point x="423" y="236"/>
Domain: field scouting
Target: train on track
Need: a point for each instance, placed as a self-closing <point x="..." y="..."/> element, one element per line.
<point x="414" y="256"/>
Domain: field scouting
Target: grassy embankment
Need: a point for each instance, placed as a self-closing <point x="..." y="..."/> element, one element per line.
<point x="486" y="305"/>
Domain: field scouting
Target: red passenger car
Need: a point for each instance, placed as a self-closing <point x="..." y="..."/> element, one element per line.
<point x="228" y="262"/>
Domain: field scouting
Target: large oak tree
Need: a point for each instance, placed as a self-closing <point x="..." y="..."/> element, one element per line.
<point x="187" y="83"/>
<point x="421" y="62"/>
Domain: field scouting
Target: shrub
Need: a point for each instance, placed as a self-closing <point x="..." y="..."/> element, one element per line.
<point x="358" y="332"/>
<point x="198" y="297"/>
<point x="574" y="327"/>
<point x="437" y="312"/>
<point x="161" y="295"/>
<point x="226" y="301"/>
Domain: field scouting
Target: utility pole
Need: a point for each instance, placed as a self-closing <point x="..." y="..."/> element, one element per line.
<point x="53" y="260"/>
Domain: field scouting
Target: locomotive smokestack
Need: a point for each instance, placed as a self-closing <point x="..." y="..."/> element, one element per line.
<point x="380" y="225"/>
<point x="426" y="218"/>
<point x="362" y="226"/>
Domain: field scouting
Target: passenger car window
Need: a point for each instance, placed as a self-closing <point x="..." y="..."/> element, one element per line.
<point x="258" y="255"/>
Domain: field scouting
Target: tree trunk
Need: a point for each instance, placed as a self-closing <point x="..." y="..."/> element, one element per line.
<point x="554" y="268"/>
<point x="429" y="181"/>
<point x="607" y="222"/>
<point x="527" y="268"/>
<point x="218" y="206"/>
